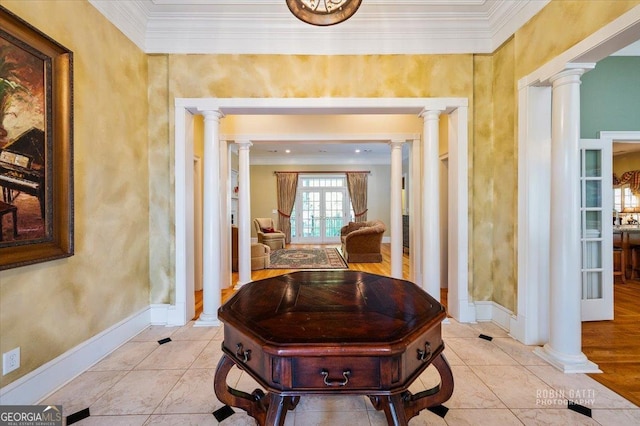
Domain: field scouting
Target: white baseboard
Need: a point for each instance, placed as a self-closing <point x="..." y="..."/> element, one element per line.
<point x="525" y="332"/>
<point x="159" y="313"/>
<point x="169" y="315"/>
<point x="36" y="385"/>
<point x="463" y="311"/>
<point x="495" y="313"/>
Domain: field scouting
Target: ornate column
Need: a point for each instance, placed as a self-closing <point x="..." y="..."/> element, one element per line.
<point x="564" y="349"/>
<point x="396" y="209"/>
<point x="430" y="204"/>
<point x="244" y="214"/>
<point x="211" y="276"/>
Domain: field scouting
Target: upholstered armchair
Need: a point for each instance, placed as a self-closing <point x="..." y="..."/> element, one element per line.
<point x="268" y="234"/>
<point x="361" y="241"/>
<point x="260" y="253"/>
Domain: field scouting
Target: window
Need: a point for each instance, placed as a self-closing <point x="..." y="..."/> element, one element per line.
<point x="623" y="198"/>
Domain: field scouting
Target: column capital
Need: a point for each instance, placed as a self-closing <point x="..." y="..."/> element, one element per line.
<point x="396" y="144"/>
<point x="430" y="114"/>
<point x="571" y="74"/>
<point x="212" y="114"/>
<point x="243" y="144"/>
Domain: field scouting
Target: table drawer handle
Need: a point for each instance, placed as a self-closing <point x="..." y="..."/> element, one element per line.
<point x="243" y="355"/>
<point x="325" y="378"/>
<point x="424" y="355"/>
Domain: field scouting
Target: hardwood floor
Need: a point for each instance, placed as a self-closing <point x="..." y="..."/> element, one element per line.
<point x="613" y="345"/>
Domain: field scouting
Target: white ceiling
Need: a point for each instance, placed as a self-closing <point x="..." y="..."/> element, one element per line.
<point x="325" y="153"/>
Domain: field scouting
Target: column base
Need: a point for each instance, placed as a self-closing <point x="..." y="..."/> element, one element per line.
<point x="566" y="363"/>
<point x="207" y="320"/>
<point x="240" y="284"/>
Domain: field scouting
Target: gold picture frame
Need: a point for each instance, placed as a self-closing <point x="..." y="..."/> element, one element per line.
<point x="36" y="110"/>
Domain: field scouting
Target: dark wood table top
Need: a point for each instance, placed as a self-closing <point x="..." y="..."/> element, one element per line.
<point x="324" y="307"/>
<point x="332" y="332"/>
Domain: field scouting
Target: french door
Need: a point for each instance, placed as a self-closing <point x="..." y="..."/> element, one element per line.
<point x="596" y="208"/>
<point x="320" y="211"/>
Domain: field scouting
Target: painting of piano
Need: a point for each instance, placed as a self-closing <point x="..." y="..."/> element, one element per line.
<point x="22" y="180"/>
<point x="36" y="156"/>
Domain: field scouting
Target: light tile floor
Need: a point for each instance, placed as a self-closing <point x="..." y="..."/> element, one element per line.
<point x="498" y="382"/>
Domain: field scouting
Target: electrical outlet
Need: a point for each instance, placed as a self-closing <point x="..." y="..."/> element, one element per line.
<point x="10" y="361"/>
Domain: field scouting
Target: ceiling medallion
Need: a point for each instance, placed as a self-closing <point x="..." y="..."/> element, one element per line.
<point x="323" y="12"/>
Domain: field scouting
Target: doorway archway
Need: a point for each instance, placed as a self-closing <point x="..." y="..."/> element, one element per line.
<point x="457" y="110"/>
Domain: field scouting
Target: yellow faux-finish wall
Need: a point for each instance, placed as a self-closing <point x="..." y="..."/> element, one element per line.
<point x="49" y="308"/>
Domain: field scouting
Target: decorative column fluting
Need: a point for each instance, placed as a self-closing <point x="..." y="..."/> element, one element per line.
<point x="564" y="349"/>
<point x="211" y="275"/>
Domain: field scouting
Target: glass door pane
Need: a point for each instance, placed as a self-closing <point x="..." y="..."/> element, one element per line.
<point x="333" y="212"/>
<point x="591" y="224"/>
<point x="596" y="207"/>
<point x="310" y="213"/>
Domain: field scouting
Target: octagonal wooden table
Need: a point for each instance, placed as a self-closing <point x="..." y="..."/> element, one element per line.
<point x="332" y="332"/>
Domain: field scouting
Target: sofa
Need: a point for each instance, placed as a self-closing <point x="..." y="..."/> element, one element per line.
<point x="260" y="253"/>
<point x="361" y="241"/>
<point x="268" y="234"/>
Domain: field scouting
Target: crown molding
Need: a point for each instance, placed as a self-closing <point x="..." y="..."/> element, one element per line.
<point x="268" y="27"/>
<point x="508" y="17"/>
<point x="130" y="17"/>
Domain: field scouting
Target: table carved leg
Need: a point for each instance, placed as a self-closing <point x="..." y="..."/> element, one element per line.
<point x="278" y="408"/>
<point x="267" y="409"/>
<point x="400" y="408"/>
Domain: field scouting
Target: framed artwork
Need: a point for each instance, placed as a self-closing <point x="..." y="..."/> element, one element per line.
<point x="36" y="145"/>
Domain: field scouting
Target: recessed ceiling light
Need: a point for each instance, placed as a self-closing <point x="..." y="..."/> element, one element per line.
<point x="287" y="151"/>
<point x="357" y="151"/>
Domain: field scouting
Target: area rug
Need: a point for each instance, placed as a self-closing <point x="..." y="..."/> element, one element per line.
<point x="309" y="258"/>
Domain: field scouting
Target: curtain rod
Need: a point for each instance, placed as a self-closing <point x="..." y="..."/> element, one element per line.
<point x="325" y="171"/>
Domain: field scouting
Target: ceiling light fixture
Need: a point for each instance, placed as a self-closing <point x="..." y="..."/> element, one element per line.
<point x="323" y="12"/>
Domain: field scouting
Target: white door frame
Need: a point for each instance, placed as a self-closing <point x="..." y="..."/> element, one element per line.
<point x="197" y="226"/>
<point x="457" y="109"/>
<point x="531" y="324"/>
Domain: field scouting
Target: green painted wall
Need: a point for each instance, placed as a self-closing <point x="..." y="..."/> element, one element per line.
<point x="610" y="96"/>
